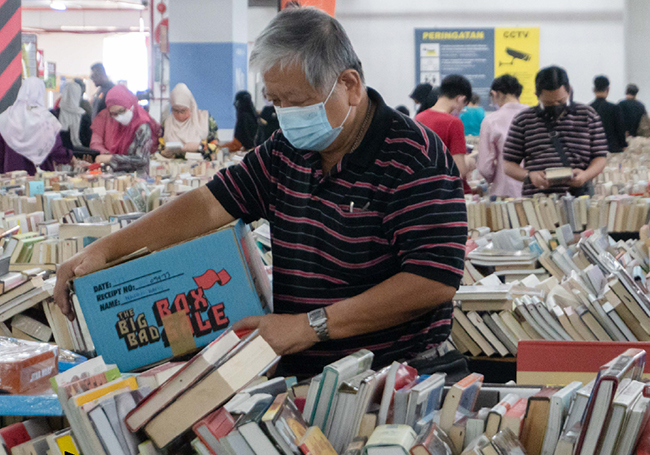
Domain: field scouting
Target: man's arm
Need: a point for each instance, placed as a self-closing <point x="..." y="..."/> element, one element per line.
<point x="458" y="146"/>
<point x="487" y="154"/>
<point x="376" y="309"/>
<point x="460" y="164"/>
<point x="190" y="215"/>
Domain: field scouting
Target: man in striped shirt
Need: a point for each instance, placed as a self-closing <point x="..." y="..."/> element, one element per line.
<point x="578" y="127"/>
<point x="366" y="209"/>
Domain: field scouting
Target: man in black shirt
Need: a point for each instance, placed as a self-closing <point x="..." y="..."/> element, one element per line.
<point x="103" y="83"/>
<point x="632" y="109"/>
<point x="610" y="114"/>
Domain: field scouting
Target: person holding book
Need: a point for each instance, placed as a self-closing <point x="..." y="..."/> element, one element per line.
<point x="365" y="206"/>
<point x="188" y="126"/>
<point x="505" y="93"/>
<point x="29" y="133"/>
<point x="557" y="134"/>
<point x="124" y="133"/>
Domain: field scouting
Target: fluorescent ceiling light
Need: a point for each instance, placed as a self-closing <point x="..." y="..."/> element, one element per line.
<point x="58" y="5"/>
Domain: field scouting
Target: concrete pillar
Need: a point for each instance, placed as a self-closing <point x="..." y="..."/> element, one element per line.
<point x="208" y="52"/>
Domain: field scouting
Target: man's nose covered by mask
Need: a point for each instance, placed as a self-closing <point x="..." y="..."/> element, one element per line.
<point x="307" y="128"/>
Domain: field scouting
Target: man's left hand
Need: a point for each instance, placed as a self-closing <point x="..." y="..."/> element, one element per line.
<point x="286" y="333"/>
<point x="579" y="178"/>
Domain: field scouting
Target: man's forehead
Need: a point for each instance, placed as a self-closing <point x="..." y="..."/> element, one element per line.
<point x="286" y="81"/>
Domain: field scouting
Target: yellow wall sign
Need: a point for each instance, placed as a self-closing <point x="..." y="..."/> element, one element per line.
<point x="516" y="52"/>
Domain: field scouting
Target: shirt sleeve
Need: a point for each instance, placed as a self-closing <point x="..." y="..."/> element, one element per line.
<point x="244" y="189"/>
<point x="137" y="158"/>
<point x="426" y="223"/>
<point x="60" y="154"/>
<point x="486" y="153"/>
<point x="98" y="131"/>
<point x="514" y="148"/>
<point x="599" y="146"/>
<point x="213" y="129"/>
<point x="456" y="136"/>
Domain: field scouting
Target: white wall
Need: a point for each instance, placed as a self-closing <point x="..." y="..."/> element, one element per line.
<point x="584" y="36"/>
<point x="637" y="37"/>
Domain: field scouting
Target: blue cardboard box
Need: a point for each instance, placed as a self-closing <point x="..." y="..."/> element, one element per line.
<point x="208" y="278"/>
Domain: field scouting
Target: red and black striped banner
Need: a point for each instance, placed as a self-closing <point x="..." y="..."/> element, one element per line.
<point x="11" y="67"/>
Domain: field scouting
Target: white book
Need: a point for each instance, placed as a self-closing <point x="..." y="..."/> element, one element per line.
<point x="560" y="402"/>
<point x="471" y="330"/>
<point x="474" y="317"/>
<point x="638" y="416"/>
<point x="621" y="406"/>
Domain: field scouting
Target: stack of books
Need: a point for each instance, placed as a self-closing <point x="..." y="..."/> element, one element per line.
<point x="593" y="290"/>
<point x="617" y="213"/>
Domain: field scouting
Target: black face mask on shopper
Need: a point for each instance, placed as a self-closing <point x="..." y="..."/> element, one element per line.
<point x="554" y="112"/>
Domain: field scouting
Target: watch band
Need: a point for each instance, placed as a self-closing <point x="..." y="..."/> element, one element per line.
<point x="318" y="321"/>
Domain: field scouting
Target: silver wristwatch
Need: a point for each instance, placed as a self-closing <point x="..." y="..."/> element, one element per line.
<point x="318" y="321"/>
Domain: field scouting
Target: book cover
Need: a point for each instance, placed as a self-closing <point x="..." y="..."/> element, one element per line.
<point x="126" y="307"/>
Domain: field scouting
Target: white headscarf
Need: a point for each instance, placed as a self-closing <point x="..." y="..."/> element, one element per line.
<point x="195" y="128"/>
<point x="27" y="126"/>
<point x="70" y="114"/>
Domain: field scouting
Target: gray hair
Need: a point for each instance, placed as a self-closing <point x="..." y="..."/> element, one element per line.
<point x="310" y="38"/>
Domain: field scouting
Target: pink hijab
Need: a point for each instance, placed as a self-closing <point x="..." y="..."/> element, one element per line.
<point x="122" y="136"/>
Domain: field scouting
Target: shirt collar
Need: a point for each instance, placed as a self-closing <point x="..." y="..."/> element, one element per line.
<point x="365" y="154"/>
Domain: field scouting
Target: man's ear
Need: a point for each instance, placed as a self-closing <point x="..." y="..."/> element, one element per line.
<point x="353" y="85"/>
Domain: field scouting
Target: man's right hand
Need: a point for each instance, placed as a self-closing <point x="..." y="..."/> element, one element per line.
<point x="538" y="178"/>
<point x="79" y="265"/>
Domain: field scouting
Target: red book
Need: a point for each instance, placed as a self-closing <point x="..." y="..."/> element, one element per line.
<point x="14" y="435"/>
<point x="514" y="418"/>
<point x="194" y="370"/>
<point x="214" y="427"/>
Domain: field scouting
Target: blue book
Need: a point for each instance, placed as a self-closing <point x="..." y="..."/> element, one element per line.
<point x="36" y="187"/>
<point x="131" y="309"/>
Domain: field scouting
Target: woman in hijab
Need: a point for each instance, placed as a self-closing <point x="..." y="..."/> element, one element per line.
<point x="194" y="129"/>
<point x="246" y="124"/>
<point x="29" y="133"/>
<point x="75" y="122"/>
<point x="124" y="133"/>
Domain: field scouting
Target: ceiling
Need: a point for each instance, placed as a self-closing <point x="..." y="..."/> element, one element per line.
<point x="88" y="4"/>
<point x="116" y="4"/>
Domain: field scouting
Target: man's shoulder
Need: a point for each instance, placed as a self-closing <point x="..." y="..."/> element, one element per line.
<point x="583" y="110"/>
<point x="526" y="115"/>
<point x="411" y="143"/>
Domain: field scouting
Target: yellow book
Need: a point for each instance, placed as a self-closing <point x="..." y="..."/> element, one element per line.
<point x="93" y="394"/>
<point x="66" y="445"/>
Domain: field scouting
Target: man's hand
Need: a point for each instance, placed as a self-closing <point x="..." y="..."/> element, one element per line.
<point x="286" y="333"/>
<point x="538" y="178"/>
<point x="80" y="264"/>
<point x="579" y="178"/>
<point x="191" y="147"/>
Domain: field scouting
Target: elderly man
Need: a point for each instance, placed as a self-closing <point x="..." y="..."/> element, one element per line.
<point x="366" y="209"/>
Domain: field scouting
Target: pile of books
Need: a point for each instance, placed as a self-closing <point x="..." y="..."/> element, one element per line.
<point x="593" y="290"/>
<point x="618" y="213"/>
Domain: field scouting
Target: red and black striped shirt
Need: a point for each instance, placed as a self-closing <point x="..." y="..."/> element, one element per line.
<point x="393" y="205"/>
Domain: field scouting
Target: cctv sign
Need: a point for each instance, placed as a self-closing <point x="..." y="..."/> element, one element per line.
<point x="480" y="55"/>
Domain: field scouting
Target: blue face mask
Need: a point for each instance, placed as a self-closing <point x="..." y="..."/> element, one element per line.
<point x="307" y="128"/>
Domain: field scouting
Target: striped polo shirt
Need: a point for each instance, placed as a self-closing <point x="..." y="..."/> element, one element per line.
<point x="580" y="130"/>
<point x="395" y="204"/>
